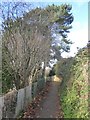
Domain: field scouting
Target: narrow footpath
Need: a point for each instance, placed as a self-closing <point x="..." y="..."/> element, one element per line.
<point x="50" y="107"/>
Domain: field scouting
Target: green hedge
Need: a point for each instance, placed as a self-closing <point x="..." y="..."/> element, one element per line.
<point x="74" y="87"/>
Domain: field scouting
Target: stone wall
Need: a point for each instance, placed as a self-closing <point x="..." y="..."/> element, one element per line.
<point x="14" y="102"/>
<point x="10" y="101"/>
<point x="24" y="97"/>
<point x="1" y="105"/>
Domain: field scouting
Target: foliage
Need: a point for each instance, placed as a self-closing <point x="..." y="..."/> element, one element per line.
<point x="27" y="40"/>
<point x="74" y="88"/>
<point x="52" y="71"/>
<point x="60" y="30"/>
<point x="58" y="66"/>
<point x="7" y="76"/>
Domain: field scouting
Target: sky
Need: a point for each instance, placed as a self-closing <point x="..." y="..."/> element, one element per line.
<point x="79" y="32"/>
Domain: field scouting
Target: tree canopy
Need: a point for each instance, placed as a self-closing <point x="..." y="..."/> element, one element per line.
<point x="29" y="39"/>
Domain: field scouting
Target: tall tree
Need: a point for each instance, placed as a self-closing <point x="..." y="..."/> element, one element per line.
<point x="27" y="40"/>
<point x="60" y="28"/>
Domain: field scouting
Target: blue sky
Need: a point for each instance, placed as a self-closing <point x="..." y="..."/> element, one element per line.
<point x="79" y="32"/>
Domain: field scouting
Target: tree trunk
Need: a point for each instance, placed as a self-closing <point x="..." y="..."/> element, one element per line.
<point x="17" y="81"/>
